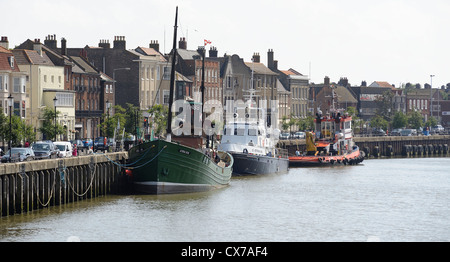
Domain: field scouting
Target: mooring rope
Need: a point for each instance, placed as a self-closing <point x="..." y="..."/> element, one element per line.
<point x="90" y="184"/>
<point x="51" y="193"/>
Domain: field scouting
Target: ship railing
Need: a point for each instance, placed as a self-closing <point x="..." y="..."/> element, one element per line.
<point x="281" y="152"/>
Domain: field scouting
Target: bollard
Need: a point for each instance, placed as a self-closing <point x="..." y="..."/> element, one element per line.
<point x="420" y="150"/>
<point x="389" y="150"/>
<point x="376" y="151"/>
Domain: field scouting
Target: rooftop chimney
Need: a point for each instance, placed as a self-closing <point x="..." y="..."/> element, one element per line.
<point x="37" y="46"/>
<point x="270" y="63"/>
<point x="343" y="81"/>
<point x="256" y="58"/>
<point x="154" y="44"/>
<point x="104" y="44"/>
<point x="4" y="42"/>
<point x="326" y="81"/>
<point x="63" y="46"/>
<point x="182" y="44"/>
<point x="201" y="50"/>
<point x="50" y="41"/>
<point x="119" y="42"/>
<point x="213" y="52"/>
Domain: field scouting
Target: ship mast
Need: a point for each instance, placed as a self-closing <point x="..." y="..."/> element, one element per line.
<point x="172" y="79"/>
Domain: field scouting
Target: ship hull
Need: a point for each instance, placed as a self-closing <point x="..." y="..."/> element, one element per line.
<point x="352" y="158"/>
<point x="161" y="167"/>
<point x="246" y="164"/>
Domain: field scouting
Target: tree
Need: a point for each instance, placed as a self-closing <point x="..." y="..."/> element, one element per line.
<point x="431" y="122"/>
<point x="400" y="120"/>
<point x="384" y="104"/>
<point x="415" y="119"/>
<point x="379" y="122"/>
<point x="133" y="117"/>
<point x="48" y="126"/>
<point x="159" y="115"/>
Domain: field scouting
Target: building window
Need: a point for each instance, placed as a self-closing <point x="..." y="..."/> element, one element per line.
<point x="166" y="75"/>
<point x="64" y="99"/>
<point x="16" y="85"/>
<point x="166" y="97"/>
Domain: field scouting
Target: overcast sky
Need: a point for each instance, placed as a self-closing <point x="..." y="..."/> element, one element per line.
<point x="397" y="41"/>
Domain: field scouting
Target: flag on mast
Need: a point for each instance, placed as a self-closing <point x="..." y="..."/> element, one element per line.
<point x="207" y="42"/>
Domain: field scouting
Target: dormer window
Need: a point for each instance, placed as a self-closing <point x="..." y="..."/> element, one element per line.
<point x="11" y="61"/>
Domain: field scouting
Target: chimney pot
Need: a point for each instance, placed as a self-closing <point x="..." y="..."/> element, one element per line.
<point x="182" y="44"/>
<point x="154" y="44"/>
<point x="119" y="42"/>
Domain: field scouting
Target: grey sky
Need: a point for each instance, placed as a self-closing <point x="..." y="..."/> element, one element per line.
<point x="397" y="41"/>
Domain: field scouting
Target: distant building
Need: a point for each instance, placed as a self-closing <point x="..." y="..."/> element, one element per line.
<point x="323" y="95"/>
<point x="46" y="81"/>
<point x="12" y="82"/>
<point x="367" y="97"/>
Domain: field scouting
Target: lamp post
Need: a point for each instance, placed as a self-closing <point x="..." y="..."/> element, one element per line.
<point x="55" y="100"/>
<point x="108" y="105"/>
<point x="10" y="104"/>
<point x="431" y="97"/>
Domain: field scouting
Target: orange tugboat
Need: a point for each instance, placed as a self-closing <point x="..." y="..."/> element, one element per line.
<point x="331" y="143"/>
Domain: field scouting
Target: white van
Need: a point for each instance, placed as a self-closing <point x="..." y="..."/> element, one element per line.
<point x="65" y="148"/>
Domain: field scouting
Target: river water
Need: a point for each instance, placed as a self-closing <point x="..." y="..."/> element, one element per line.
<point x="401" y="199"/>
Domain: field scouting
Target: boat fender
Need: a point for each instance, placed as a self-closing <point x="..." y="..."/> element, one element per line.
<point x="245" y="151"/>
<point x="128" y="172"/>
<point x="320" y="160"/>
<point x="332" y="161"/>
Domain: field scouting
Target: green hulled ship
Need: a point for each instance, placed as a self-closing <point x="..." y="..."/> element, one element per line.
<point x="161" y="167"/>
<point x="178" y="164"/>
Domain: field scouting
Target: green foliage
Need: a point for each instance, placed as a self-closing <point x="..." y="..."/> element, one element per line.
<point x="415" y="119"/>
<point x="379" y="122"/>
<point x="158" y="119"/>
<point x="431" y="122"/>
<point x="48" y="128"/>
<point x="400" y="120"/>
<point x="20" y="132"/>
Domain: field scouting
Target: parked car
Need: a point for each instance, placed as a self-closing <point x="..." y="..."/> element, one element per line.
<point x="19" y="154"/>
<point x="438" y="129"/>
<point x="99" y="143"/>
<point x="408" y="132"/>
<point x="378" y="132"/>
<point x="45" y="150"/>
<point x="299" y="135"/>
<point x="284" y="136"/>
<point x="396" y="132"/>
<point x="65" y="148"/>
<point x="77" y="142"/>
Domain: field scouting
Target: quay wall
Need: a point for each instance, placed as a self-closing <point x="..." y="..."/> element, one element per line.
<point x="32" y="185"/>
<point x="388" y="146"/>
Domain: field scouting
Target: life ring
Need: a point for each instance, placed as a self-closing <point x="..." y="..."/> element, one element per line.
<point x="245" y="151"/>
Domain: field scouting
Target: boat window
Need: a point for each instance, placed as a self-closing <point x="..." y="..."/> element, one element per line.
<point x="252" y="132"/>
<point x="347" y="125"/>
<point x="239" y="131"/>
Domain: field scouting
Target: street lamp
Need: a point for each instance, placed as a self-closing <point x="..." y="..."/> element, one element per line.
<point x="10" y="104"/>
<point x="55" y="100"/>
